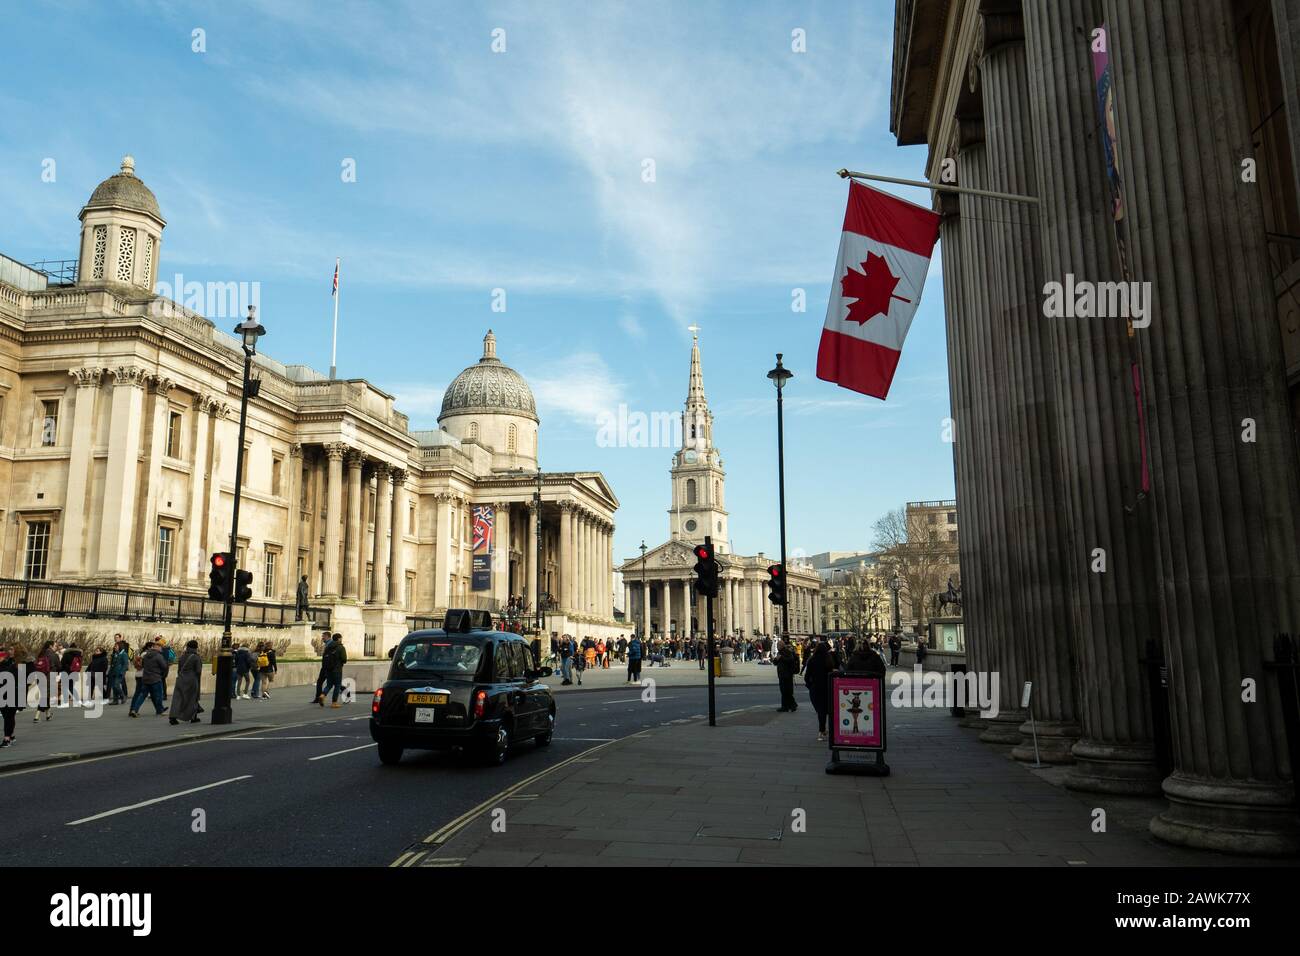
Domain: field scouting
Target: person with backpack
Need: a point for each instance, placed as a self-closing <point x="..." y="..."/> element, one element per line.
<point x="9" y="708"/>
<point x="70" y="673"/>
<point x="257" y="658"/>
<point x="267" y="667"/>
<point x="153" y="666"/>
<point x="580" y="661"/>
<point x="634" y="660"/>
<point x="169" y="658"/>
<point x="337" y="656"/>
<point x="47" y="665"/>
<point x="323" y="675"/>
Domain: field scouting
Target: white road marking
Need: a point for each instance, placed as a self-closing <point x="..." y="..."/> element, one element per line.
<point x="595" y="740"/>
<point x="340" y="752"/>
<point x="635" y="700"/>
<point x="146" y="803"/>
<point x="321" y="737"/>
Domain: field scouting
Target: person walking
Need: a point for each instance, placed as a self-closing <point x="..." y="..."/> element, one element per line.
<point x="98" y="671"/>
<point x="257" y="658"/>
<point x="921" y="652"/>
<point x="322" y="677"/>
<point x="9" y="707"/>
<point x="243" y="667"/>
<point x="787" y="665"/>
<point x="153" y="666"/>
<point x="580" y="662"/>
<point x="120" y="661"/>
<point x="634" y="660"/>
<point x="816" y="677"/>
<point x="338" y="656"/>
<point x="169" y="658"/>
<point x="895" y="645"/>
<point x="70" y="673"/>
<point x="300" y="607"/>
<point x="268" y="669"/>
<point x="47" y="665"/>
<point x="185" y="696"/>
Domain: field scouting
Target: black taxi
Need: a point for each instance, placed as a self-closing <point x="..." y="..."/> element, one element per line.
<point x="463" y="686"/>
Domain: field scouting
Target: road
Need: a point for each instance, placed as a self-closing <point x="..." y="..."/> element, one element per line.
<point x="297" y="796"/>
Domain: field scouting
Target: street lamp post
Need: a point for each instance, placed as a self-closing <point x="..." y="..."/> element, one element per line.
<point x="249" y="332"/>
<point x="537" y="558"/>
<point x="896" y="585"/>
<point x="779" y="376"/>
<point x="645" y="611"/>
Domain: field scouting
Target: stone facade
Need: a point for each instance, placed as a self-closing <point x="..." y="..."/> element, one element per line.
<point x="1082" y="542"/>
<point x="659" y="587"/>
<point x="118" y="425"/>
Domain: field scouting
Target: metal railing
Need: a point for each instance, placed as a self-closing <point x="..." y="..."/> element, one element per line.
<point x="58" y="271"/>
<point x="124" y="604"/>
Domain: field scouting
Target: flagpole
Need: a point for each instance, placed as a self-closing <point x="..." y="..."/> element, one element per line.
<point x="334" y="348"/>
<point x="940" y="187"/>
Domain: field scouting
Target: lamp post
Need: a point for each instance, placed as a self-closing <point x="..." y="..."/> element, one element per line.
<point x="645" y="611"/>
<point x="537" y="558"/>
<point x="779" y="376"/>
<point x="249" y="332"/>
<point x="896" y="585"/>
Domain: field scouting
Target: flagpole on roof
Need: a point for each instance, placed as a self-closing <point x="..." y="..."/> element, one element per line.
<point x="334" y="348"/>
<point x="939" y="187"/>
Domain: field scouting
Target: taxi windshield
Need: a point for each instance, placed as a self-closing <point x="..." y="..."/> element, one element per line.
<point x="437" y="655"/>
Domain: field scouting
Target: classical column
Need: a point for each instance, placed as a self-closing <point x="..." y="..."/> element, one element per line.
<point x="351" y="547"/>
<point x="1223" y="459"/>
<point x="365" y="543"/>
<point x="442" y="554"/>
<point x="643" y="622"/>
<point x="194" y="543"/>
<point x="75" y="506"/>
<point x="583" y="558"/>
<point x="668" y="606"/>
<point x="218" y="518"/>
<point x="397" y="559"/>
<point x="501" y="552"/>
<point x="1099" y="448"/>
<point x="987" y="429"/>
<point x="333" y="513"/>
<point x="383" y="511"/>
<point x="120" y="473"/>
<point x="292" y="526"/>
<point x="316" y="526"/>
<point x="530" y="584"/>
<point x="1286" y="20"/>
<point x="160" y="387"/>
<point x="566" y="556"/>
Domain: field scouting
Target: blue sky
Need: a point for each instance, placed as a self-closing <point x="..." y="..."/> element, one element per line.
<point x="524" y="171"/>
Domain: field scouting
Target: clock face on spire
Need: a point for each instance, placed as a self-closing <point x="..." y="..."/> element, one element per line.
<point x="689" y="456"/>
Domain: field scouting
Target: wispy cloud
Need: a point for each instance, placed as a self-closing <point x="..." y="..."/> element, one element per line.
<point x="578" y="387"/>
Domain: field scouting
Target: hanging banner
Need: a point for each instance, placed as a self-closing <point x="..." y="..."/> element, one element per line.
<point x="481" y="578"/>
<point x="1105" y="92"/>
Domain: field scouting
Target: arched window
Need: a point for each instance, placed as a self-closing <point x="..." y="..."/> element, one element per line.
<point x="512" y="439"/>
<point x="690" y="491"/>
<point x="473" y="431"/>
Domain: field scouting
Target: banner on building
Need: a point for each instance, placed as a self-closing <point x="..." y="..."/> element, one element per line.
<point x="484" y="518"/>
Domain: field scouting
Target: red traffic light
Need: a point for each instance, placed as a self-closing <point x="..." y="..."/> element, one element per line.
<point x="219" y="560"/>
<point x="774" y="570"/>
<point x="703" y="552"/>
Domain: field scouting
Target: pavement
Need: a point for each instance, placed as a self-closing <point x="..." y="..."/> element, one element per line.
<point x="753" y="791"/>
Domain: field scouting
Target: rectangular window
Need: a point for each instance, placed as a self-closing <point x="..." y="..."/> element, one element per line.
<point x="952" y="517"/>
<point x="410" y="593"/>
<point x="163" y="572"/>
<point x="410" y="523"/>
<point x="952" y="535"/>
<point x="239" y="557"/>
<point x="302" y="496"/>
<point x="268" y="586"/>
<point x="50" y="425"/>
<point x="243" y="476"/>
<point x="277" y="467"/>
<point x="37" y="558"/>
<point x="174" y="435"/>
<point x="301" y="572"/>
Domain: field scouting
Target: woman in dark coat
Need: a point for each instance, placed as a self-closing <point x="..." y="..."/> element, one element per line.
<point x="816" y="677"/>
<point x="185" y="695"/>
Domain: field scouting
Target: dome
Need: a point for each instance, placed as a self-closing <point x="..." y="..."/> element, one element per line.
<point x="124" y="190"/>
<point x="489" y="388"/>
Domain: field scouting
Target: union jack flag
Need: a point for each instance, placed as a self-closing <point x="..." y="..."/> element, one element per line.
<point x="335" y="290"/>
<point x="483" y="517"/>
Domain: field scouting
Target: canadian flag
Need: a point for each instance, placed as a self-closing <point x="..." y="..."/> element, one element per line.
<point x="885" y="253"/>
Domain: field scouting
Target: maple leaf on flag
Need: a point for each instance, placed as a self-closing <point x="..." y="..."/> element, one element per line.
<point x="872" y="288"/>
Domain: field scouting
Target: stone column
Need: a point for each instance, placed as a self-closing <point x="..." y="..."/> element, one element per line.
<point x="316" y="525"/>
<point x="584" y="562"/>
<point x="643" y="622"/>
<point x="72" y="563"/>
<point x="501" y="552"/>
<point x="397" y="559"/>
<point x="1223" y="458"/>
<point x="442" y="558"/>
<point x="365" y="543"/>
<point x="120" y="473"/>
<point x="160" y="387"/>
<point x="987" y="429"/>
<point x="530" y="585"/>
<point x="218" y="518"/>
<point x="383" y="511"/>
<point x="667" y="606"/>
<point x="351" y="547"/>
<point x="1099" y="447"/>
<point x="1286" y="20"/>
<point x="194" y="543"/>
<point x="566" y="556"/>
<point x="333" y="514"/>
<point x="293" y="522"/>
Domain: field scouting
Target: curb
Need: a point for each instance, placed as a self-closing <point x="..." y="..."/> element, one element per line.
<point x="62" y="758"/>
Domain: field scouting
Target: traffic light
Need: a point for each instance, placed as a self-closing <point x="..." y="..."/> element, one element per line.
<point x="706" y="570"/>
<point x="219" y="576"/>
<point x="776" y="584"/>
<point x="243" y="585"/>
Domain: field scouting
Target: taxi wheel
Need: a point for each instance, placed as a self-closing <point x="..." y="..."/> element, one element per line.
<point x="500" y="747"/>
<point x="544" y="740"/>
<point x="390" y="754"/>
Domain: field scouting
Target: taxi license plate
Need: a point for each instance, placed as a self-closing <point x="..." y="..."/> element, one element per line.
<point x="426" y="698"/>
<point x="424" y="715"/>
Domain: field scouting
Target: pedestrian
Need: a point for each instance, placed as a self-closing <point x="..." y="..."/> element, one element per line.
<point x="634" y="660"/>
<point x="566" y="660"/>
<point x="98" y="673"/>
<point x="9" y="705"/>
<point x="121" y="660"/>
<point x="243" y="669"/>
<point x="816" y="677"/>
<point x="787" y="665"/>
<point x="301" y="606"/>
<point x="169" y="658"/>
<point x="189" y="672"/>
<point x="895" y="645"/>
<point x="47" y="665"/>
<point x="70" y="672"/>
<point x="153" y="666"/>
<point x="580" y="663"/>
<point x="338" y="656"/>
<point x="257" y="659"/>
<point x="920" y="652"/>
<point x="269" y="669"/>
<point x="589" y="655"/>
<point x="622" y="649"/>
<point x="323" y="675"/>
<point x="601" y="652"/>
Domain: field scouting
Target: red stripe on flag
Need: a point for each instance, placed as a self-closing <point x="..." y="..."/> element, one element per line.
<point x="856" y="364"/>
<point x="891" y="220"/>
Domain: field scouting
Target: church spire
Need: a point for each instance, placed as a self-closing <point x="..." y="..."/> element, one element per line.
<point x="695" y="392"/>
